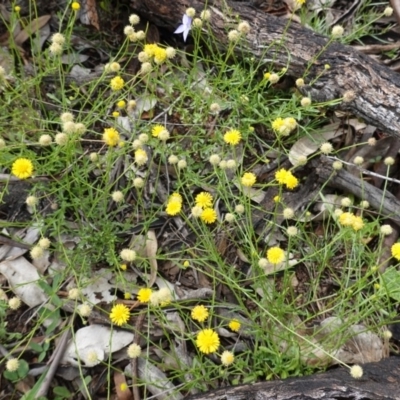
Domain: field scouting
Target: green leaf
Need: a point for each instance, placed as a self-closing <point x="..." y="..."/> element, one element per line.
<point x="36" y="347"/>
<point x="62" y="391"/>
<point x="391" y="279"/>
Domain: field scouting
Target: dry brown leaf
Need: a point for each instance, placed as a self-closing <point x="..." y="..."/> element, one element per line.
<point x="151" y="251"/>
<point x="120" y="383"/>
<point x="310" y="143"/>
<point x="88" y="14"/>
<point x="31" y="28"/>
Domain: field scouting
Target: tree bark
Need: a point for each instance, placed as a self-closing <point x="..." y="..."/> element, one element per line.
<point x="283" y="43"/>
<point x="380" y="381"/>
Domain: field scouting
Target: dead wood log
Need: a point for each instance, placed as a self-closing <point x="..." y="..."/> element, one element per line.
<point x="382" y="201"/>
<point x="288" y="44"/>
<point x="380" y="381"/>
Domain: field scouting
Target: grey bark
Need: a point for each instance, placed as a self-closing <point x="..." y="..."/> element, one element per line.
<point x="380" y="381"/>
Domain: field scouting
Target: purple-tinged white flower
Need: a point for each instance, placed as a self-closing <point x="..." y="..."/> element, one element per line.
<point x="185" y="26"/>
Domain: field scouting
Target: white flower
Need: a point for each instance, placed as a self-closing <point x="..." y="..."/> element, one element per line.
<point x="134" y="350"/>
<point x="36" y="252"/>
<point x="244" y="27"/>
<point x="326" y="148"/>
<point x="45" y="140"/>
<point x="233" y="35"/>
<point x="190" y="12"/>
<point x="31" y="201"/>
<point x="44" y="243"/>
<point x="128" y="255"/>
<point x="14" y="303"/>
<point x="117" y="196"/>
<point x="84" y="309"/>
<point x="215" y="159"/>
<point x="356" y="371"/>
<point x="358" y="160"/>
<point x="337" y="31"/>
<point x="12" y="364"/>
<point x="134" y="19"/>
<point x="185" y="26"/>
<point x="138" y="183"/>
<point x="173" y="159"/>
<point x="388" y="11"/>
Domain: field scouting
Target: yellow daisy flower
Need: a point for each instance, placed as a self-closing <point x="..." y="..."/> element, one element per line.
<point x="174" y="207"/>
<point x="117" y="83"/>
<point x="346" y="219"/>
<point x="209" y="215"/>
<point x="395" y="249"/>
<point x="199" y="313"/>
<point x="275" y="255"/>
<point x="248" y="179"/>
<point x="207" y="341"/>
<point x="22" y="168"/>
<point x="204" y="200"/>
<point x="234" y="325"/>
<point x="155" y="131"/>
<point x="232" y="137"/>
<point x="291" y="181"/>
<point x="111" y="137"/>
<point x="144" y="295"/>
<point x="119" y="314"/>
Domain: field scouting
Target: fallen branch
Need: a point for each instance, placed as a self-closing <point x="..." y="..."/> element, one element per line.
<point x="380" y="381"/>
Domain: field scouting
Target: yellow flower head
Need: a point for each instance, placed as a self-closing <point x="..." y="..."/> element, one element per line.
<point x="121" y="104"/>
<point x="227" y="358"/>
<point x="281" y="175"/>
<point x="248" y="179"/>
<point x="22" y="168"/>
<point x="286" y="178"/>
<point x="358" y="223"/>
<point x="174" y="207"/>
<point x="275" y="255"/>
<point x="291" y="181"/>
<point x="208" y="215"/>
<point x="144" y="295"/>
<point x="199" y="313"/>
<point x="150" y="49"/>
<point x="232" y="137"/>
<point x="207" y="341"/>
<point x="396" y="251"/>
<point x="234" y="325"/>
<point x="204" y="200"/>
<point x="111" y="137"/>
<point x="75" y="6"/>
<point x="346" y="219"/>
<point x="123" y="386"/>
<point x="119" y="314"/>
<point x="117" y="83"/>
<point x="277" y="124"/>
<point x="160" y="55"/>
<point x="156" y="130"/>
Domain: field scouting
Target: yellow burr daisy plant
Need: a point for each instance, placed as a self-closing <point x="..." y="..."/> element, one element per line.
<point x="207" y="341"/>
<point x="199" y="313"/>
<point x="22" y="168"/>
<point x="119" y="314"/>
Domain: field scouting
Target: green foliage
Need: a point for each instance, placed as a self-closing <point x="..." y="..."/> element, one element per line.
<point x="198" y="97"/>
